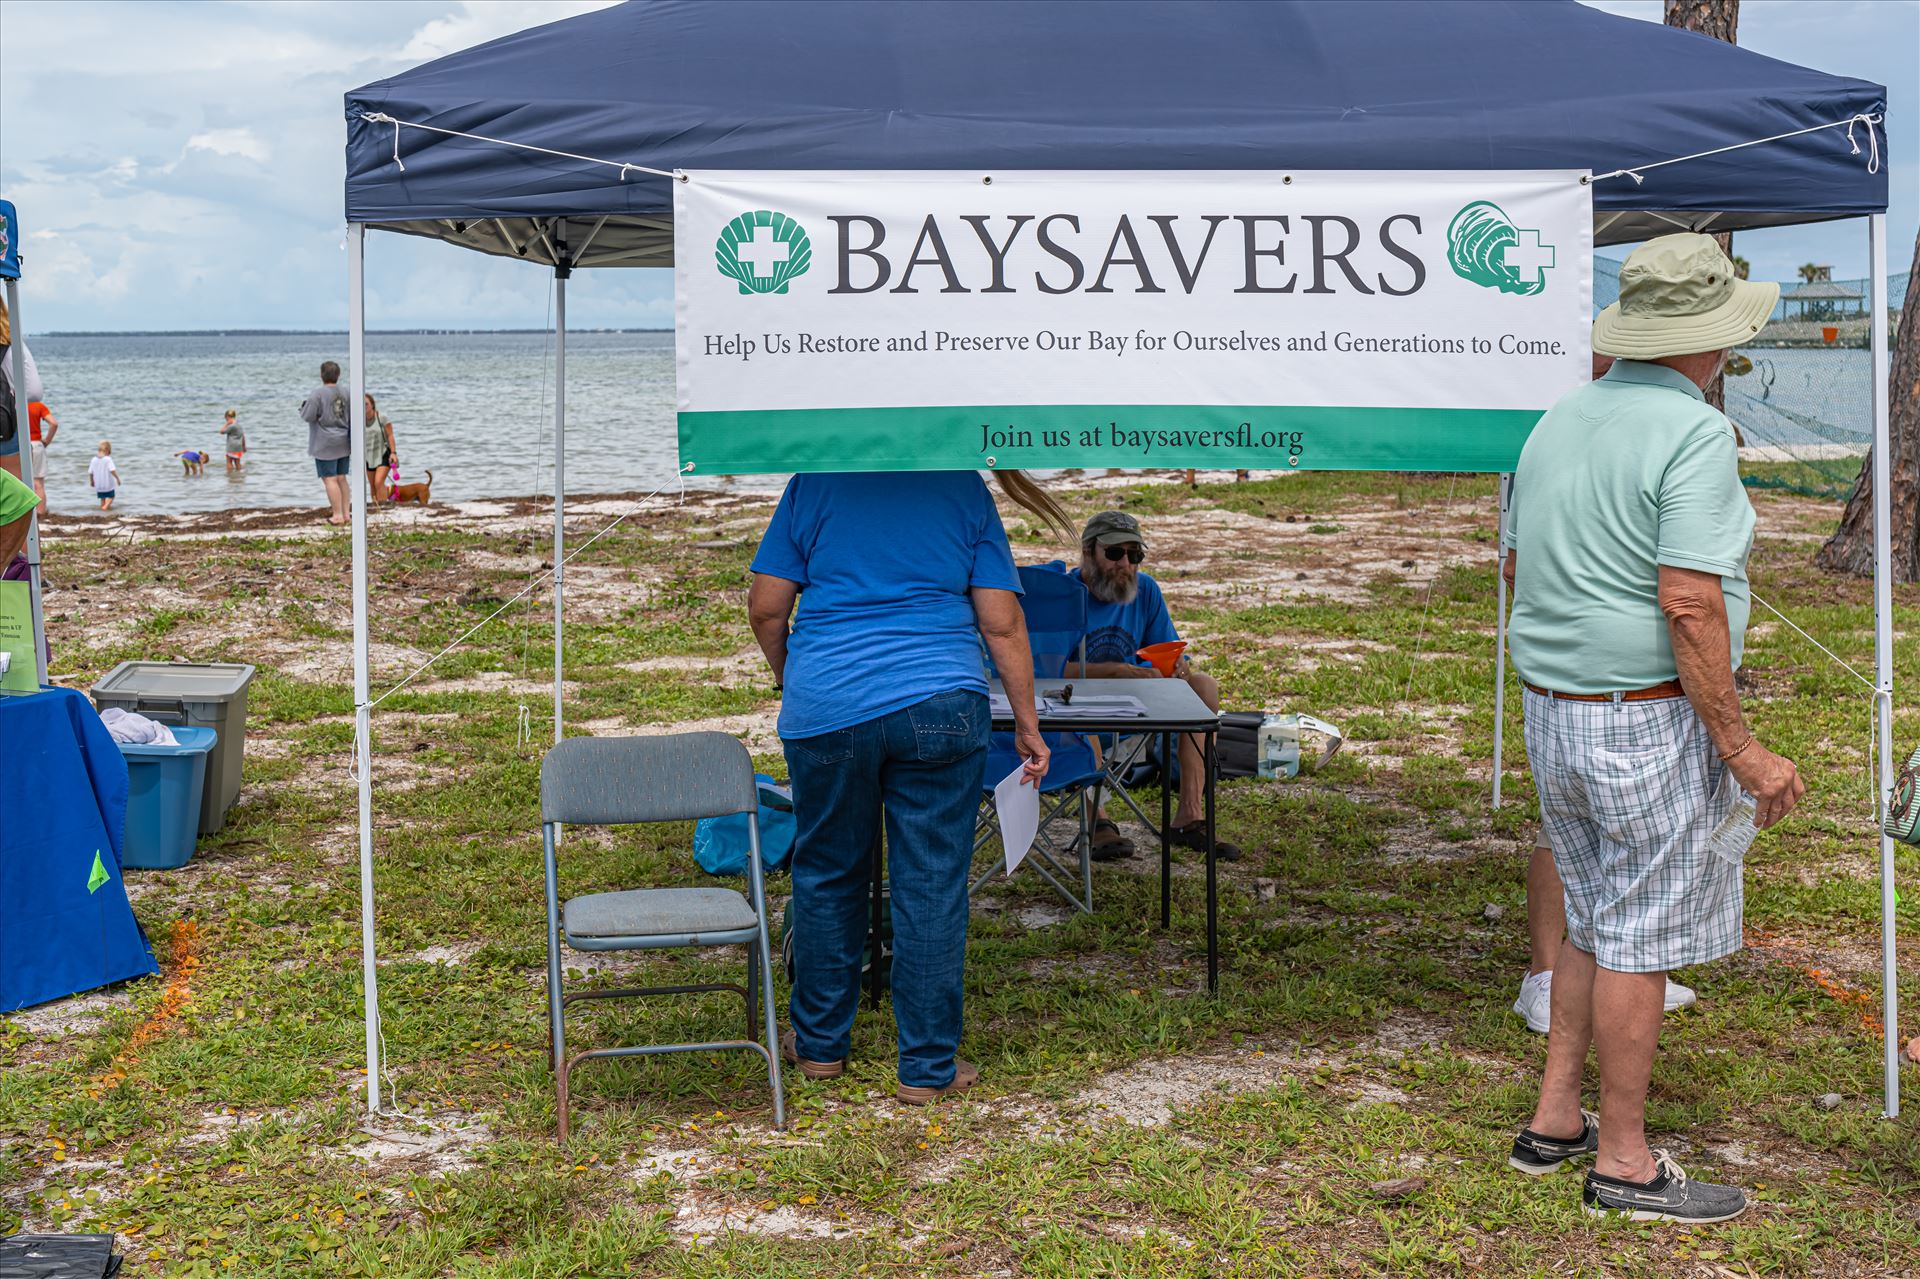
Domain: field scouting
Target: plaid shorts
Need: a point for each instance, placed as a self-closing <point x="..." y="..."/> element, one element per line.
<point x="1629" y="794"/>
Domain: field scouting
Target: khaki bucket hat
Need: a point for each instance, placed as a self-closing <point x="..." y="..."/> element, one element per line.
<point x="1679" y="296"/>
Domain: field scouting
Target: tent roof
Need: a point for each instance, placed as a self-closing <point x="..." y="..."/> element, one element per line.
<point x="1820" y="289"/>
<point x="964" y="84"/>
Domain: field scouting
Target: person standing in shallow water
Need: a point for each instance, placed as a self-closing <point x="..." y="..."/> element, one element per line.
<point x="236" y="440"/>
<point x="104" y="475"/>
<point x="329" y="440"/>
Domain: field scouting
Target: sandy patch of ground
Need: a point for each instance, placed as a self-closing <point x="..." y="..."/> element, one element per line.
<point x="756" y="730"/>
<point x="451" y="955"/>
<point x="744" y="667"/>
<point x="321" y="662"/>
<point x="698" y="1221"/>
<point x="434" y="1147"/>
<point x="498" y="682"/>
<point x="81" y="1014"/>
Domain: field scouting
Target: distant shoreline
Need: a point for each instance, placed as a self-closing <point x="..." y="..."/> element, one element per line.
<point x="307" y="333"/>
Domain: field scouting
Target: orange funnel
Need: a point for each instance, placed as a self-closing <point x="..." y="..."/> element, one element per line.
<point x="1163" y="657"/>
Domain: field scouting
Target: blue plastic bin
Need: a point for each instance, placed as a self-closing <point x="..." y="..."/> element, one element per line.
<point x="163" y="800"/>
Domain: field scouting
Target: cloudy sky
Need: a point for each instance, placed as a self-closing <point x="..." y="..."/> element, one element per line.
<point x="179" y="165"/>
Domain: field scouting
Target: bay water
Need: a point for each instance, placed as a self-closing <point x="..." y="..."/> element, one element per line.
<point x="477" y="410"/>
<point x="474" y="408"/>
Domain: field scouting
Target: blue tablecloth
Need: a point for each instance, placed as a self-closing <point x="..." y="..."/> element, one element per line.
<point x="65" y="923"/>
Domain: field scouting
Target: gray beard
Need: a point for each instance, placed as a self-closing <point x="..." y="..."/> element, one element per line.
<point x="1104" y="588"/>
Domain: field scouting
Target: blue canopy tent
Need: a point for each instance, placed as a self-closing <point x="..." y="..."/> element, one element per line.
<point x="558" y="145"/>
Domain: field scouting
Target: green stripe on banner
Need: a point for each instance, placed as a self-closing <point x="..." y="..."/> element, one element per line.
<point x="1049" y="436"/>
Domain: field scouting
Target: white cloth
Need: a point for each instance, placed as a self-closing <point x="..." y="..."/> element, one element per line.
<point x="102" y="473"/>
<point x="136" y="730"/>
<point x="35" y="391"/>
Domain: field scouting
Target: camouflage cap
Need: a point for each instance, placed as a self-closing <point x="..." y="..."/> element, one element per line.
<point x="1111" y="528"/>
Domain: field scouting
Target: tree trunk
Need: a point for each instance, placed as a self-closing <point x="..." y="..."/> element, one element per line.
<point x="1719" y="19"/>
<point x="1716" y="390"/>
<point x="1716" y="18"/>
<point x="1850" y="549"/>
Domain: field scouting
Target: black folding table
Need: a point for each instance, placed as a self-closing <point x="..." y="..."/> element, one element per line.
<point x="1172" y="708"/>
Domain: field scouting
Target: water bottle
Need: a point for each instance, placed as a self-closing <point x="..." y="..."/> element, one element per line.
<point x="1732" y="837"/>
<point x="1278" y="747"/>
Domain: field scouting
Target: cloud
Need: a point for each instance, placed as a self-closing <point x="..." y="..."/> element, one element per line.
<point x="188" y="162"/>
<point x="240" y="142"/>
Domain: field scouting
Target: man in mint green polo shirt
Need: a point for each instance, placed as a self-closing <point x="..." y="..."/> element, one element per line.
<point x="1629" y="539"/>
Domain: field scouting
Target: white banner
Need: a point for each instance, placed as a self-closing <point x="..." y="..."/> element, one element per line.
<point x="948" y="320"/>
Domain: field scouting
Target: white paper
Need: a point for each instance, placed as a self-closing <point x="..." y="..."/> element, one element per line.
<point x="1018" y="808"/>
<point x="999" y="706"/>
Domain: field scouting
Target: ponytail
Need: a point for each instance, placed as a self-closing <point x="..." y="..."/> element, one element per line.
<point x="1025" y="492"/>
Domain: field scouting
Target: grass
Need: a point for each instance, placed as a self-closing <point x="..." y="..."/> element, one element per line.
<point x="1341" y="1106"/>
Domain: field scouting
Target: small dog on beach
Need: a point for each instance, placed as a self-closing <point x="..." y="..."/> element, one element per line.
<point x="192" y="462"/>
<point x="421" y="493"/>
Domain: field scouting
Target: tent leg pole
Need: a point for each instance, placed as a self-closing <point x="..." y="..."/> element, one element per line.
<point x="1500" y="639"/>
<point x="559" y="494"/>
<point x="1883" y="642"/>
<point x="362" y="712"/>
<point x="32" y="548"/>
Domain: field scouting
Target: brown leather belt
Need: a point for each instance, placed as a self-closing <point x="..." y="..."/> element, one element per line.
<point x="1659" y="692"/>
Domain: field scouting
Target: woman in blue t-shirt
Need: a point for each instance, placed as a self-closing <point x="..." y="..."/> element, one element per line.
<point x="898" y="577"/>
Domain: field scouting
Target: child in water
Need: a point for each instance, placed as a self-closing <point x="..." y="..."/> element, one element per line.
<point x="104" y="476"/>
<point x="236" y="440"/>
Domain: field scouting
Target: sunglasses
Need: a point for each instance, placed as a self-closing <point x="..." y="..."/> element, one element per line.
<point x="1131" y="551"/>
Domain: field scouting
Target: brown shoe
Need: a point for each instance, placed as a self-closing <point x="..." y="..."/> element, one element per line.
<point x="965" y="1076"/>
<point x="1108" y="843"/>
<point x="789" y="1050"/>
<point x="1194" y="836"/>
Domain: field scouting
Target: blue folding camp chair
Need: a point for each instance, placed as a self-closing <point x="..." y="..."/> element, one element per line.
<point x="1056" y="609"/>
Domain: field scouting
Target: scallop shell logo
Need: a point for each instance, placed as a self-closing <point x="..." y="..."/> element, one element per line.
<point x="763" y="251"/>
<point x="1902" y="797"/>
<point x="1485" y="247"/>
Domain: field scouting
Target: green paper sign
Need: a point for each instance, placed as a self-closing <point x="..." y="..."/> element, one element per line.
<point x="16" y="637"/>
<point x="99" y="875"/>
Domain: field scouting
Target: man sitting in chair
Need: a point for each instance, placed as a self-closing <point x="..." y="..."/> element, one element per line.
<point x="1125" y="613"/>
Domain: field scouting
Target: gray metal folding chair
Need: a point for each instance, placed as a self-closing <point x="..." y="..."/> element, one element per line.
<point x="618" y="781"/>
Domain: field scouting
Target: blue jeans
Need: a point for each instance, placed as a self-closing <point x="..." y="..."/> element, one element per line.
<point x="925" y="765"/>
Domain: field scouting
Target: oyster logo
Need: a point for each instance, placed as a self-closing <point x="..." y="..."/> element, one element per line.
<point x="762" y="250"/>
<point x="1484" y="246"/>
<point x="1902" y="797"/>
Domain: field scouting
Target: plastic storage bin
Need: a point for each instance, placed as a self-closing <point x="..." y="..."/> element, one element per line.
<point x="200" y="695"/>
<point x="165" y="785"/>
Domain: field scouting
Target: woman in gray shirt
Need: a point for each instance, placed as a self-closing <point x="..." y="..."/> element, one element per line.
<point x="329" y="440"/>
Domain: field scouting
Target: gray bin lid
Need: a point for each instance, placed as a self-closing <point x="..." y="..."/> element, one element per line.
<point x="183" y="681"/>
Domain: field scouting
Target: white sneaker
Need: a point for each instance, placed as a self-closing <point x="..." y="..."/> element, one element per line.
<point x="1535" y="1003"/>
<point x="1536" y="1000"/>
